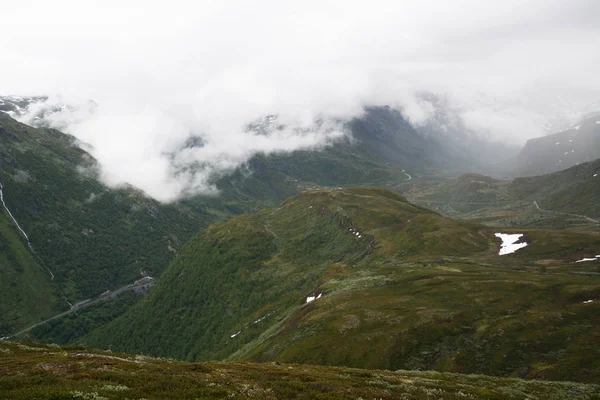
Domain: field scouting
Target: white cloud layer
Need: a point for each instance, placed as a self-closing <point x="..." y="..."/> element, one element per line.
<point x="162" y="70"/>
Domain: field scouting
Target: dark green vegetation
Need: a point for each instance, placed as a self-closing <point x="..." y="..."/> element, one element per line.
<point x="26" y="293"/>
<point x="71" y="327"/>
<point x="565" y="198"/>
<point x="90" y="237"/>
<point x="411" y="290"/>
<point x="50" y="372"/>
<point x="575" y="190"/>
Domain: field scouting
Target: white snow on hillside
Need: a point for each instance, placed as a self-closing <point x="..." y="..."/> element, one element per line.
<point x="509" y="243"/>
<point x="313" y="298"/>
<point x="585" y="259"/>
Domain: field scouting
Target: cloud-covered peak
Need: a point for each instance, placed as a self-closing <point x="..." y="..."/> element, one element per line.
<point x="159" y="74"/>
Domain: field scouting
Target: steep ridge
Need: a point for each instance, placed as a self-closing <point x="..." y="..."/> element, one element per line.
<point x="382" y="146"/>
<point x="91" y="237"/>
<point x="559" y="151"/>
<point x="27" y="294"/>
<point x="360" y="277"/>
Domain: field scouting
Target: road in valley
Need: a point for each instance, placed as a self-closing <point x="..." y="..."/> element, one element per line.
<point x="535" y="203"/>
<point x="141" y="284"/>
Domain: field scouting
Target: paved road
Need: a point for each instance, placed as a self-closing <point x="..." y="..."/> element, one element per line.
<point x="563" y="213"/>
<point x="81" y="306"/>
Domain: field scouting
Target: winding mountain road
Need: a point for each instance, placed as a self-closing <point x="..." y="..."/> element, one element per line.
<point x="535" y="203"/>
<point x="86" y="303"/>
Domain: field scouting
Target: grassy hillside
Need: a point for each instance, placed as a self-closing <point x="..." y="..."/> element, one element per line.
<point x="32" y="371"/>
<point x="401" y="288"/>
<point x="260" y="263"/>
<point x="94" y="238"/>
<point x="27" y="294"/>
<point x="565" y="197"/>
<point x="574" y="190"/>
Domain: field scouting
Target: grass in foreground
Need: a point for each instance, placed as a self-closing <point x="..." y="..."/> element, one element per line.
<point x="51" y="372"/>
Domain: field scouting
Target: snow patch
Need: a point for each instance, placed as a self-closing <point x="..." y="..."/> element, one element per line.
<point x="355" y="232"/>
<point x="235" y="334"/>
<point x="588" y="301"/>
<point x="313" y="298"/>
<point x="588" y="259"/>
<point x="509" y="243"/>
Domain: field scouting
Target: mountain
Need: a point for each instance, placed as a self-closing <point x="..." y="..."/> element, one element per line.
<point x="382" y="149"/>
<point x="564" y="198"/>
<point x="51" y="372"/>
<point x="360" y="277"/>
<point x="19" y="105"/>
<point x="88" y="237"/>
<point x="559" y="151"/>
<point x="92" y="238"/>
<point x="382" y="135"/>
<point x="348" y="276"/>
<point x="574" y="190"/>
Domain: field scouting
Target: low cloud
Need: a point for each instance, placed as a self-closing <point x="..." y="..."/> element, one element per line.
<point x="160" y="75"/>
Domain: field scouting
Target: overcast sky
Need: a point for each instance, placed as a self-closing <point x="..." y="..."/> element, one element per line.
<point x="160" y="70"/>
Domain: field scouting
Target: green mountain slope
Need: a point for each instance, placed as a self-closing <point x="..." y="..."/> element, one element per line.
<point x="92" y="238"/>
<point x="392" y="286"/>
<point x="27" y="294"/>
<point x="575" y="190"/>
<point x="563" y="198"/>
<point x="271" y="259"/>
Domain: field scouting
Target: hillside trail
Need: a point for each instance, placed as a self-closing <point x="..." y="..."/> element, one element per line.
<point x="535" y="203"/>
<point x="80" y="306"/>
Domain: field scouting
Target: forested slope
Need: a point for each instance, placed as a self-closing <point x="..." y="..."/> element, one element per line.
<point x="360" y="277"/>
